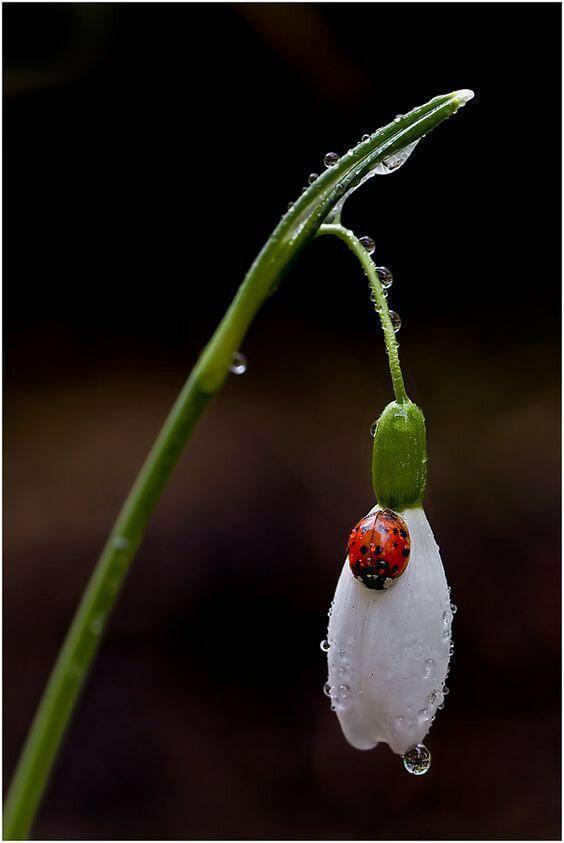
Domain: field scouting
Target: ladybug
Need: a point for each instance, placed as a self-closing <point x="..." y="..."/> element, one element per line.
<point x="379" y="548"/>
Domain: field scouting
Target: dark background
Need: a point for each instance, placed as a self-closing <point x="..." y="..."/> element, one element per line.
<point x="149" y="151"/>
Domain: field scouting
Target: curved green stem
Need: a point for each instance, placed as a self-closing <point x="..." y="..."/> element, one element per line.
<point x="295" y="229"/>
<point x="380" y="304"/>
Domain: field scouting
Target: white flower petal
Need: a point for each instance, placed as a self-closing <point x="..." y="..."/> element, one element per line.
<point x="390" y="649"/>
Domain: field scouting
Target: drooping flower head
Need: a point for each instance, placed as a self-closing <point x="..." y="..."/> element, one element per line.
<point x="389" y="637"/>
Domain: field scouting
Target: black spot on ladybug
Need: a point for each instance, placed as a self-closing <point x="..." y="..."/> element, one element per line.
<point x="395" y="544"/>
<point x="403" y="534"/>
<point x="405" y="551"/>
<point x="394" y="569"/>
<point x="395" y="531"/>
<point x="363" y="549"/>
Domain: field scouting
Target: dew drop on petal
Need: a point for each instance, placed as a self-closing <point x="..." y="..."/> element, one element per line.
<point x="327" y="689"/>
<point x="330" y="159"/>
<point x="325" y="645"/>
<point x="395" y="319"/>
<point x="312" y="177"/>
<point x="423" y="716"/>
<point x="453" y="608"/>
<point x="368" y="244"/>
<point x="373" y="427"/>
<point x="417" y="760"/>
<point x="238" y="364"/>
<point x="385" y="276"/>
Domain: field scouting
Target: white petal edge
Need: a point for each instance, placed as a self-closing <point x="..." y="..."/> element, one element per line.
<point x="389" y="650"/>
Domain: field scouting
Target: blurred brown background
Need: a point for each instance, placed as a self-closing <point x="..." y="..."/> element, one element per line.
<point x="204" y="716"/>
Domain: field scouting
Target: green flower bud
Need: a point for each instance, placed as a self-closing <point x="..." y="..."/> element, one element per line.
<point x="399" y="460"/>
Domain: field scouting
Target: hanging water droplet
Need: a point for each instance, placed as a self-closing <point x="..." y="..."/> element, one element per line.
<point x="395" y="319"/>
<point x="453" y="608"/>
<point x="330" y="159"/>
<point x="368" y="244"/>
<point x="238" y="364"/>
<point x="312" y="177"/>
<point x="445" y="691"/>
<point x="365" y="137"/>
<point x="325" y="645"/>
<point x="417" y="760"/>
<point x="385" y="276"/>
<point x="373" y="427"/>
<point x="327" y="689"/>
<point x="394" y="161"/>
<point x="441" y="706"/>
<point x="429" y="665"/>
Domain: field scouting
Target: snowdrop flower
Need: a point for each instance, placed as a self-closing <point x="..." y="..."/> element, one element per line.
<point x="389" y="637"/>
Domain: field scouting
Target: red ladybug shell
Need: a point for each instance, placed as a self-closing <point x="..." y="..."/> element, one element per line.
<point x="379" y="548"/>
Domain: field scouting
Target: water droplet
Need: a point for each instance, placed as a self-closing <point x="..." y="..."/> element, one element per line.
<point x="365" y="137"/>
<point x="330" y="159"/>
<point x="385" y="276"/>
<point x="397" y="118"/>
<point x="327" y="689"/>
<point x="446" y="690"/>
<point x="424" y="716"/>
<point x="325" y="645"/>
<point x="290" y="205"/>
<point x="417" y="760"/>
<point x="96" y="626"/>
<point x="238" y="364"/>
<point x="395" y="319"/>
<point x="453" y="608"/>
<point x="121" y="543"/>
<point x="429" y="665"/>
<point x="394" y="161"/>
<point x="368" y="244"/>
<point x="373" y="428"/>
<point x="312" y="177"/>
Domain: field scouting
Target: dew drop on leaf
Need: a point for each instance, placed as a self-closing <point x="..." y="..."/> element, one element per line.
<point x="330" y="159"/>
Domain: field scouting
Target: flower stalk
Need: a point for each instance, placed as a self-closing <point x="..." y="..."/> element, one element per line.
<point x="294" y="231"/>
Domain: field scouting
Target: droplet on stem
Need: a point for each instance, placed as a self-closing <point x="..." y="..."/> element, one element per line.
<point x="385" y="276"/>
<point x="325" y="645"/>
<point x="395" y="319"/>
<point x="312" y="177"/>
<point x="330" y="159"/>
<point x="238" y="364"/>
<point x="368" y="244"/>
<point x="365" y="137"/>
